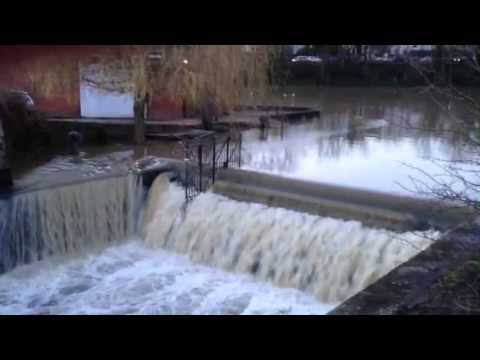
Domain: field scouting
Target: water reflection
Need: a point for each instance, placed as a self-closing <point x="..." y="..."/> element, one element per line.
<point x="362" y="139"/>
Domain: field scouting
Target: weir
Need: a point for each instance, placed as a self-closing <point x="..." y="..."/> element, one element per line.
<point x="286" y="245"/>
<point x="328" y="258"/>
<point x="375" y="209"/>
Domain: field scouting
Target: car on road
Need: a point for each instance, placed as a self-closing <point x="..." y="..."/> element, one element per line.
<point x="424" y="57"/>
<point x="307" y="59"/>
<point x="458" y="57"/>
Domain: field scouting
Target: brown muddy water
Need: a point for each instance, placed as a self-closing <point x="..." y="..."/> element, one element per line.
<point x="368" y="138"/>
<point x="374" y="139"/>
<point x="269" y="261"/>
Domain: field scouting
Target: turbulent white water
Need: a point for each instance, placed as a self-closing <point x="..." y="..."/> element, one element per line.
<point x="277" y="261"/>
<point x="328" y="258"/>
<point x="132" y="279"/>
<point x="67" y="219"/>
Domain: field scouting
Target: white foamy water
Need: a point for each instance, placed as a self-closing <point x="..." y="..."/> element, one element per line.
<point x="328" y="258"/>
<point x="132" y="279"/>
<point x="217" y="256"/>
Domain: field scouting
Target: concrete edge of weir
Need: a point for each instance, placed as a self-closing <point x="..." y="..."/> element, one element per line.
<point x="375" y="209"/>
<point x="408" y="285"/>
<point x="148" y="175"/>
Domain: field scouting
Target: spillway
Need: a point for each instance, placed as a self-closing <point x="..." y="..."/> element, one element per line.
<point x="328" y="258"/>
<point x="67" y="219"/>
<point x="108" y="247"/>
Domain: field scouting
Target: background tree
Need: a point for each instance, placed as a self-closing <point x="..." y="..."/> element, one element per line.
<point x="188" y="74"/>
<point x="462" y="106"/>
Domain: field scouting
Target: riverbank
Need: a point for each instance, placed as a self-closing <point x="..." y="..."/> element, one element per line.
<point x="457" y="293"/>
<point x="435" y="281"/>
<point x="378" y="74"/>
<point x="361" y="140"/>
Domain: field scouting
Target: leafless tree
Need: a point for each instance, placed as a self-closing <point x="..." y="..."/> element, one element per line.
<point x="457" y="180"/>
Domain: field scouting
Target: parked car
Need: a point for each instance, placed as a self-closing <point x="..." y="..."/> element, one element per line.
<point x="460" y="57"/>
<point x="307" y="59"/>
<point x="383" y="58"/>
<point x="424" y="57"/>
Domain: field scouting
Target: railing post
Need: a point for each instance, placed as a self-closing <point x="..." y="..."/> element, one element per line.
<point x="186" y="174"/>
<point x="200" y="166"/>
<point x="240" y="151"/>
<point x="282" y="126"/>
<point x="228" y="152"/>
<point x="213" y="160"/>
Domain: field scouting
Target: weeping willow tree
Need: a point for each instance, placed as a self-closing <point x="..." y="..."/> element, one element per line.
<point x="187" y="74"/>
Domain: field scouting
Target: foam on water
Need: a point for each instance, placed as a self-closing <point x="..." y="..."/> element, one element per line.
<point x="178" y="267"/>
<point x="328" y="258"/>
<point x="132" y="279"/>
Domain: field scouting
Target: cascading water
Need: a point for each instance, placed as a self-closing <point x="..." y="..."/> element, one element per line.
<point x="306" y="256"/>
<point x="67" y="219"/>
<point x="328" y="258"/>
<point x="124" y="277"/>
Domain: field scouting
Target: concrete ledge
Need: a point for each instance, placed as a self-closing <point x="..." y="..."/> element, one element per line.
<point x="370" y="216"/>
<point x="372" y="208"/>
<point x="148" y="176"/>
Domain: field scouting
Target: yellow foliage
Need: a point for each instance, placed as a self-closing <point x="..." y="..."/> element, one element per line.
<point x="228" y="73"/>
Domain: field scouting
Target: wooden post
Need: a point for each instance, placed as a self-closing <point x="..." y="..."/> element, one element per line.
<point x="5" y="171"/>
<point x="140" y="110"/>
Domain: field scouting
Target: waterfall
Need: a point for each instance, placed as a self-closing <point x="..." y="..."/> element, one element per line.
<point x="67" y="219"/>
<point x="328" y="258"/>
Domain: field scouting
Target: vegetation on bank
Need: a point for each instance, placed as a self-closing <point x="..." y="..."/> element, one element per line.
<point x="188" y="73"/>
<point x="25" y="128"/>
<point x="457" y="293"/>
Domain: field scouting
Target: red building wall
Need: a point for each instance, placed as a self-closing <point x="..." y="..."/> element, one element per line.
<point x="16" y="60"/>
<point x="164" y="109"/>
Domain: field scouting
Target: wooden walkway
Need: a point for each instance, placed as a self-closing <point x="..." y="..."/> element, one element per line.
<point x="247" y="118"/>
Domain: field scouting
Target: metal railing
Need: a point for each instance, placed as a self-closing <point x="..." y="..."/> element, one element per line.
<point x="206" y="154"/>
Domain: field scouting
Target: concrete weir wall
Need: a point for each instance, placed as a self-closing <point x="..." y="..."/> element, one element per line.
<point x="396" y="292"/>
<point x="407" y="285"/>
<point x="373" y="209"/>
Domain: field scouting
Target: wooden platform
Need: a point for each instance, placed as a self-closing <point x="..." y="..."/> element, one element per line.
<point x="247" y="118"/>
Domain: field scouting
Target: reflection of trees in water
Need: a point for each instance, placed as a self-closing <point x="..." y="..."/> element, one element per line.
<point x="417" y="119"/>
<point x="347" y="125"/>
<point x="284" y="159"/>
<point x="276" y="153"/>
<point x="336" y="146"/>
